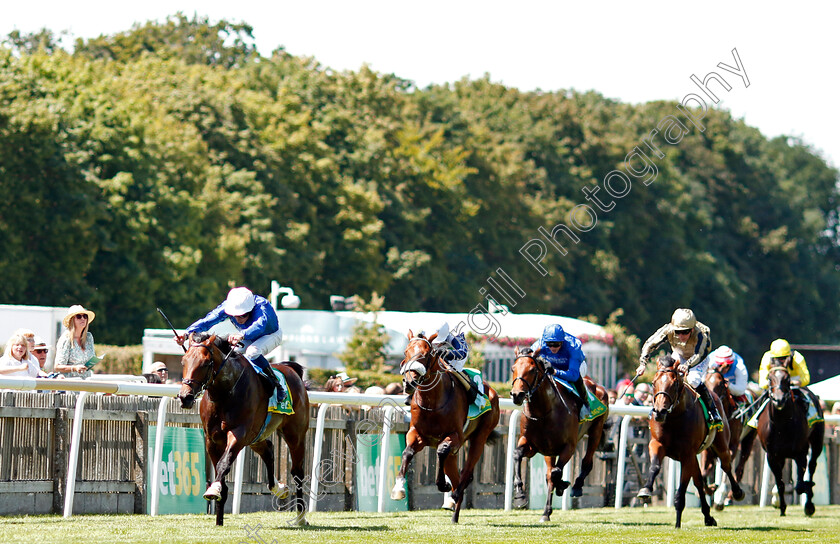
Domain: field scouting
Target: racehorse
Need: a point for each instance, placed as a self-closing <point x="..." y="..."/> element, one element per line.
<point x="551" y="427"/>
<point x="439" y="409"/>
<point x="678" y="430"/>
<point x="719" y="385"/>
<point x="234" y="410"/>
<point x="784" y="434"/>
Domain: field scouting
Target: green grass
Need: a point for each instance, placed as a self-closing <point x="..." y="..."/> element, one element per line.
<point x="656" y="525"/>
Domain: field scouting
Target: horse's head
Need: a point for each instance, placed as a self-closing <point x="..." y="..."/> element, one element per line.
<point x="527" y="375"/>
<point x="198" y="366"/>
<point x="715" y="381"/>
<point x="779" y="385"/>
<point x="667" y="387"/>
<point x="420" y="361"/>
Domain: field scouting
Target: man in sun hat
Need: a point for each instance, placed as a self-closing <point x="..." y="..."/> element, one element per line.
<point x="159" y="369"/>
<point x="258" y="330"/>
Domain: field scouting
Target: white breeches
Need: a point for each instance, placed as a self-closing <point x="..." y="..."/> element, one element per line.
<point x="264" y="344"/>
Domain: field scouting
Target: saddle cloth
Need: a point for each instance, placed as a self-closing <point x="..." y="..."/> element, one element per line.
<point x="482" y="400"/>
<point x="814" y="415"/>
<point x="596" y="407"/>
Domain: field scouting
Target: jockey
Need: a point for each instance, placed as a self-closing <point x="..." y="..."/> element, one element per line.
<point x="256" y="322"/>
<point x="564" y="352"/>
<point x="733" y="368"/>
<point x="780" y="354"/>
<point x="455" y="353"/>
<point x="691" y="342"/>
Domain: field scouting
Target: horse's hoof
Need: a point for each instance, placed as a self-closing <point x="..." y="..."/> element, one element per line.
<point x="281" y="491"/>
<point x="397" y="494"/>
<point x="718" y="507"/>
<point x="739" y="495"/>
<point x="299" y="521"/>
<point x="576" y="492"/>
<point x="214" y="492"/>
<point x="545" y="519"/>
<point x="520" y="505"/>
<point x="810" y="509"/>
<point x="644" y="493"/>
<point x="448" y="504"/>
<point x="710" y="522"/>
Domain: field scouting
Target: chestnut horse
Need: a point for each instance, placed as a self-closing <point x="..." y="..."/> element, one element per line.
<point x="784" y="434"/>
<point x="738" y="450"/>
<point x="234" y="410"/>
<point x="678" y="429"/>
<point x="551" y="427"/>
<point x="439" y="408"/>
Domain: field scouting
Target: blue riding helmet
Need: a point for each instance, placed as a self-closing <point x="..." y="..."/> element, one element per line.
<point x="553" y="333"/>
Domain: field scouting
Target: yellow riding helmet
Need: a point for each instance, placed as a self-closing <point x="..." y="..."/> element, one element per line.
<point x="683" y="319"/>
<point x="779" y="348"/>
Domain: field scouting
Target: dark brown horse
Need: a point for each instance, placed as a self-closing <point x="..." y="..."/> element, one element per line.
<point x="550" y="426"/>
<point x="678" y="429"/>
<point x="439" y="408"/>
<point x="234" y="410"/>
<point x="719" y="385"/>
<point x="784" y="434"/>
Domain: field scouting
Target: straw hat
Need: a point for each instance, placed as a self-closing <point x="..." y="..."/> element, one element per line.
<point x="345" y="379"/>
<point x="75" y="310"/>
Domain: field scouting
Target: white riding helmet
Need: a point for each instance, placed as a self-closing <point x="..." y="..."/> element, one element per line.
<point x="442" y="334"/>
<point x="683" y="319"/>
<point x="240" y="301"/>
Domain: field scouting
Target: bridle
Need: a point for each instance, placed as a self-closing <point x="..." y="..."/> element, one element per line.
<point x="196" y="387"/>
<point x="772" y="373"/>
<point x="672" y="400"/>
<point x="420" y="363"/>
<point x="542" y="374"/>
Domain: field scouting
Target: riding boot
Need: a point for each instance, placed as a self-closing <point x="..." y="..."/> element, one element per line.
<point x="711" y="406"/>
<point x="580" y="387"/>
<point x="263" y="363"/>
<point x="469" y="385"/>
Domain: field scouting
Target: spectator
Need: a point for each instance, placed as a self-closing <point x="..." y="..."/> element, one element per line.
<point x="629" y="396"/>
<point x="612" y="394"/>
<point x="642" y="395"/>
<point x="40" y="350"/>
<point x="16" y="360"/>
<point x="159" y="369"/>
<point x="394" y="388"/>
<point x="341" y="383"/>
<point x="75" y="353"/>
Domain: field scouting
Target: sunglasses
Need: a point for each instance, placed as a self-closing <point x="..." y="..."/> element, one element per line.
<point x="81" y="316"/>
<point x="39" y="350"/>
<point x="681" y="333"/>
<point x="553" y="344"/>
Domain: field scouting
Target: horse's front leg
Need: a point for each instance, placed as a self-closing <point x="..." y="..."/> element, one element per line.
<point x="803" y="487"/>
<point x="657" y="453"/>
<point x="448" y="446"/>
<point x="694" y="470"/>
<point x="523" y="449"/>
<point x="234" y="446"/>
<point x="549" y="494"/>
<point x="777" y="465"/>
<point x="413" y="444"/>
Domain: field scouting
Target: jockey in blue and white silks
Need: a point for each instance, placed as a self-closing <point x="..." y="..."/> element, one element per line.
<point x="565" y="354"/>
<point x="455" y="353"/>
<point x="733" y="368"/>
<point x="257" y="325"/>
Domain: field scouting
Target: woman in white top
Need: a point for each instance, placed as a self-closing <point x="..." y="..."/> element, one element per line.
<point x="16" y="361"/>
<point x="75" y="346"/>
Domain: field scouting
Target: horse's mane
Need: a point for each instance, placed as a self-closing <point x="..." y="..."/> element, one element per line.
<point x="222" y="343"/>
<point x="526" y="352"/>
<point x="665" y="361"/>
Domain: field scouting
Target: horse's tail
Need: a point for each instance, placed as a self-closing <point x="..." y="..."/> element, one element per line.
<point x="294" y="366"/>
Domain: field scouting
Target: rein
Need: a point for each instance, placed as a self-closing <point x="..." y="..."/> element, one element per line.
<point x="677" y="395"/>
<point x="418" y="363"/>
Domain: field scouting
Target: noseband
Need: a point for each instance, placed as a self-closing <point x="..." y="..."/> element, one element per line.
<point x="774" y="386"/>
<point x="418" y="363"/>
<point x="541" y="373"/>
<point x="197" y="387"/>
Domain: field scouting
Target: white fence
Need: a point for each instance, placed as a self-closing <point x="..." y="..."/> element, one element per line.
<point x="391" y="403"/>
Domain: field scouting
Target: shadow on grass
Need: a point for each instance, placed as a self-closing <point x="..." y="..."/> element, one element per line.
<point x="766" y="529"/>
<point x="317" y="528"/>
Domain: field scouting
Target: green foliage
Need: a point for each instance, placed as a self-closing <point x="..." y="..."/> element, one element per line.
<point x="157" y="166"/>
<point x="365" y="350"/>
<point x="120" y="359"/>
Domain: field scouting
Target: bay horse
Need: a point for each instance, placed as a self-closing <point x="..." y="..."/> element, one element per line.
<point x="678" y="429"/>
<point x="784" y="434"/>
<point x="551" y="427"/>
<point x="439" y="409"/>
<point x="234" y="413"/>
<point x="719" y="385"/>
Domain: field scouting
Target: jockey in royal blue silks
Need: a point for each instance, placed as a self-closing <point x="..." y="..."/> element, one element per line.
<point x="564" y="352"/>
<point x="257" y="325"/>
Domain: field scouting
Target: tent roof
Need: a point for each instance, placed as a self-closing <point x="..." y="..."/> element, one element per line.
<point x="828" y="390"/>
